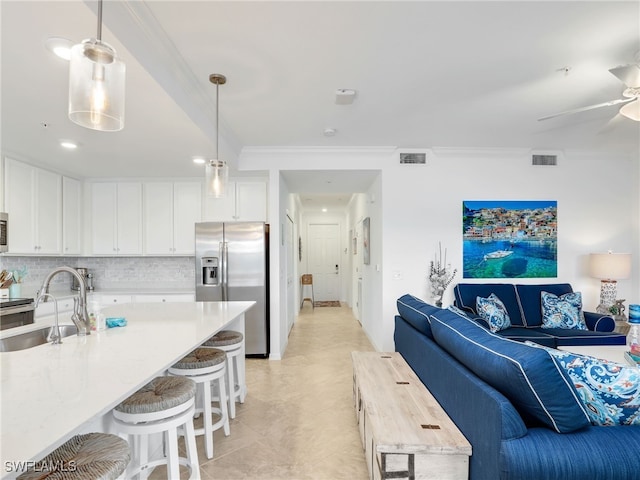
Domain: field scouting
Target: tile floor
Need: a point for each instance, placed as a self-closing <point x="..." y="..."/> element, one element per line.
<point x="298" y="420"/>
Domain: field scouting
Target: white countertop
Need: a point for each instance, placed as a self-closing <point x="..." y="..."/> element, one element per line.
<point x="48" y="392"/>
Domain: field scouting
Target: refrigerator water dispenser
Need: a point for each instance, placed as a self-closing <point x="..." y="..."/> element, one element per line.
<point x="210" y="271"/>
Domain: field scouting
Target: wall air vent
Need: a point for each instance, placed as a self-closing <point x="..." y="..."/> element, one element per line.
<point x="544" y="160"/>
<point x="413" y="158"/>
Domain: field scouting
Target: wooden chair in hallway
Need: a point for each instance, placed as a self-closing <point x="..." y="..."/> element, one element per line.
<point x="307" y="281"/>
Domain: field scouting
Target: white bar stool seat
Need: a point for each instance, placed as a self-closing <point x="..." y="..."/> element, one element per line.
<point x="206" y="366"/>
<point x="92" y="456"/>
<point x="232" y="343"/>
<point x="162" y="406"/>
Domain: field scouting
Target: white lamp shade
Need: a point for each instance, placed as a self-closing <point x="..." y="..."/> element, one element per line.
<point x="631" y="110"/>
<point x="610" y="266"/>
<point x="217" y="178"/>
<point x="96" y="86"/>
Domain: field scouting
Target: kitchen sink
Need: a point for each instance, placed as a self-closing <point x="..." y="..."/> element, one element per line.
<point x="34" y="338"/>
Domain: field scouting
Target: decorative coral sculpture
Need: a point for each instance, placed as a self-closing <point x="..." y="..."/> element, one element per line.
<point x="440" y="275"/>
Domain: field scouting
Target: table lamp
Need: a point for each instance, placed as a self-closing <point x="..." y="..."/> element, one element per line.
<point x="609" y="267"/>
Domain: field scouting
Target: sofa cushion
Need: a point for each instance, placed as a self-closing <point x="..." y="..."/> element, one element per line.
<point x="585" y="337"/>
<point x="564" y="311"/>
<point x="416" y="312"/>
<point x="527" y="376"/>
<point x="529" y="297"/>
<point x="466" y="294"/>
<point x="522" y="334"/>
<point x="493" y="311"/>
<point x="609" y="390"/>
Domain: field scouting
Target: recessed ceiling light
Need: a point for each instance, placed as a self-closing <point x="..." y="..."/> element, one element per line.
<point x="68" y="144"/>
<point x="329" y="132"/>
<point x="199" y="160"/>
<point x="324" y="210"/>
<point x="59" y="46"/>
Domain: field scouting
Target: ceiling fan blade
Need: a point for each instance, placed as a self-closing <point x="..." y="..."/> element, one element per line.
<point x="628" y="74"/>
<point x="590" y="107"/>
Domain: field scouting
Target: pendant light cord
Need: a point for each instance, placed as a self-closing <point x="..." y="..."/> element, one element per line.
<point x="100" y="20"/>
<point x="217" y="123"/>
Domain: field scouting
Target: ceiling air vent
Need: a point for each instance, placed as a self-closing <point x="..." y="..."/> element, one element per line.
<point x="544" y="160"/>
<point x="413" y="158"/>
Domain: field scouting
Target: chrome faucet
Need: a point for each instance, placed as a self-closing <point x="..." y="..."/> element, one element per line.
<point x="56" y="338"/>
<point x="80" y="315"/>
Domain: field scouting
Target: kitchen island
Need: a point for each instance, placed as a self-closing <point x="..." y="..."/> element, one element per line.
<point x="51" y="392"/>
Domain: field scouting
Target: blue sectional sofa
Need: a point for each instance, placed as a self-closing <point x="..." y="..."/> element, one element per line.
<point x="524" y="307"/>
<point x="511" y="401"/>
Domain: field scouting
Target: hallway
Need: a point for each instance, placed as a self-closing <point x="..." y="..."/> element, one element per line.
<point x="298" y="421"/>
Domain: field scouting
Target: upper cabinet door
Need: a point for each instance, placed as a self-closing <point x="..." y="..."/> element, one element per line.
<point x="33" y="200"/>
<point x="48" y="188"/>
<point x="251" y="201"/>
<point x="158" y="218"/>
<point x="170" y="213"/>
<point x="71" y="215"/>
<point x="187" y="211"/>
<point x="246" y="201"/>
<point x="104" y="218"/>
<point x="20" y="203"/>
<point x="221" y="209"/>
<point x="129" y="218"/>
<point x="116" y="218"/>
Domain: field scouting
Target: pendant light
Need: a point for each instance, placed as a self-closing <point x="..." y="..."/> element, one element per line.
<point x="216" y="170"/>
<point x="96" y="84"/>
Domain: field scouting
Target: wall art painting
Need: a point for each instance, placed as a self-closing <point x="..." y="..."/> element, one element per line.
<point x="509" y="239"/>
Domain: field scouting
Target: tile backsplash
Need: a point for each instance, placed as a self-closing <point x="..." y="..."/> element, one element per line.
<point x="109" y="272"/>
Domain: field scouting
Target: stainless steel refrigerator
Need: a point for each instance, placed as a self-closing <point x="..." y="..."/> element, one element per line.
<point x="232" y="263"/>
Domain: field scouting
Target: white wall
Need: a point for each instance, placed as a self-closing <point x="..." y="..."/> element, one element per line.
<point x="418" y="206"/>
<point x="596" y="211"/>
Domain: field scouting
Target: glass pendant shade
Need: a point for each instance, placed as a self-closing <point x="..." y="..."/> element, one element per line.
<point x="632" y="110"/>
<point x="216" y="178"/>
<point x="96" y="86"/>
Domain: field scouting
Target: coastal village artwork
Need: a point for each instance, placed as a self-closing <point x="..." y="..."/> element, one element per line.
<point x="510" y="239"/>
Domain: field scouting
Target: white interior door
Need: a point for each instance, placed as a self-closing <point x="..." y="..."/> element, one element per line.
<point x="324" y="260"/>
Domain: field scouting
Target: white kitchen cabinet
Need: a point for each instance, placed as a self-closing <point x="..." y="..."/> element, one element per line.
<point x="71" y="215"/>
<point x="116" y="218"/>
<point x="170" y="213"/>
<point x="47" y="308"/>
<point x="171" y="297"/>
<point x="246" y="201"/>
<point x="33" y="199"/>
<point x="105" y="299"/>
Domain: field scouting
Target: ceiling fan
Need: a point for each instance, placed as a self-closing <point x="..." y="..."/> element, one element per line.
<point x="630" y="76"/>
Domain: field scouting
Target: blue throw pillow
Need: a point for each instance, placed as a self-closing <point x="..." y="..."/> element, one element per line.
<point x="416" y="312"/>
<point x="610" y="391"/>
<point x="493" y="311"/>
<point x="564" y="311"/>
<point x="527" y="376"/>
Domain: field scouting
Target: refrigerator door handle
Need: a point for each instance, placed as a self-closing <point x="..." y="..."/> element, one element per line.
<point x="224" y="250"/>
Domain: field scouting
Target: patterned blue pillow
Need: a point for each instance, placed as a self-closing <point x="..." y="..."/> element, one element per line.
<point x="493" y="311"/>
<point x="610" y="391"/>
<point x="564" y="311"/>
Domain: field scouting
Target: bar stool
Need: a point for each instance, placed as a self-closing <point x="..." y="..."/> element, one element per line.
<point x="307" y="280"/>
<point x="232" y="343"/>
<point x="91" y="456"/>
<point x="205" y="366"/>
<point x="162" y="406"/>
